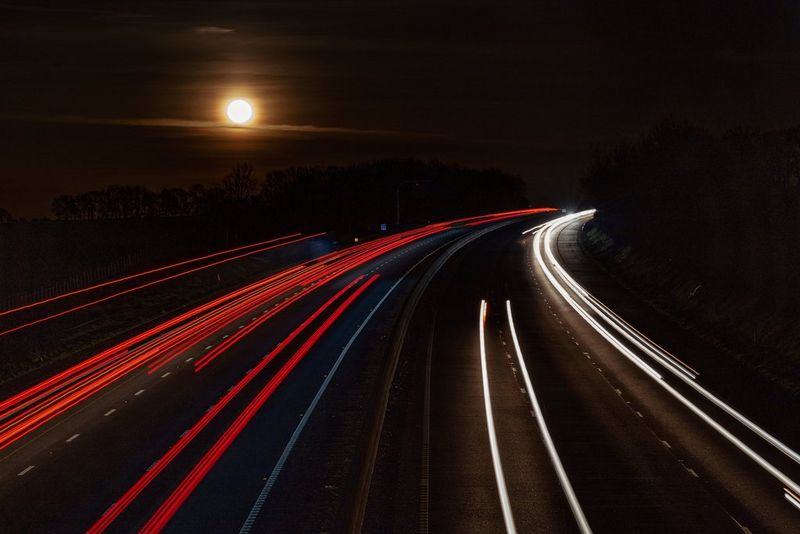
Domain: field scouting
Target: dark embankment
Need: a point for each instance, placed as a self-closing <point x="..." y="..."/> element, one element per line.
<point x="707" y="228"/>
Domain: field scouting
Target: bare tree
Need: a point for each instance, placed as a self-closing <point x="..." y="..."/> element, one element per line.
<point x="240" y="183"/>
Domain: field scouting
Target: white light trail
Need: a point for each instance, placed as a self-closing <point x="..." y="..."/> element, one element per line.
<point x="508" y="517"/>
<point x="676" y="367"/>
<point x="577" y="511"/>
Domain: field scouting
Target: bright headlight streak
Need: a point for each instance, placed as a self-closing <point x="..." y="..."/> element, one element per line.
<point x="688" y="379"/>
<point x="588" y="318"/>
<point x="792" y="498"/>
<point x="581" y="293"/>
<point x="616" y="322"/>
<point x="577" y="511"/>
<point x="649" y="344"/>
<point x="779" y="475"/>
<point x="529" y="230"/>
<point x="505" y="504"/>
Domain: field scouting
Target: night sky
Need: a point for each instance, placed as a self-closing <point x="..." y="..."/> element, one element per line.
<point x="118" y="92"/>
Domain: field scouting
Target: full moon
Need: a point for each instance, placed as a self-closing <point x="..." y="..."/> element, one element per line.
<point x="239" y="111"/>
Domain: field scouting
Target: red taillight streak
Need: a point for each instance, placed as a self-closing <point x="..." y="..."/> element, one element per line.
<point x="118" y="507"/>
<point x="171" y="505"/>
<point x="41" y="414"/>
<point x="334" y="264"/>
<point x="145" y="285"/>
<point x="351" y="264"/>
<point x="65" y="376"/>
<point x="139" y="275"/>
<point x="219" y="319"/>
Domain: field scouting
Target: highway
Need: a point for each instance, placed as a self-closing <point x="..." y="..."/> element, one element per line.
<point x="186" y="425"/>
<point x="527" y="405"/>
<point x="480" y="375"/>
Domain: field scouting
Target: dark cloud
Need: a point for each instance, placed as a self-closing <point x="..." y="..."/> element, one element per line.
<point x="533" y="87"/>
<point x="211" y="30"/>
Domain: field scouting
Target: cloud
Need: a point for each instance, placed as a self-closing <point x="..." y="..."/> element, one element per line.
<point x="211" y="30"/>
<point x="168" y="122"/>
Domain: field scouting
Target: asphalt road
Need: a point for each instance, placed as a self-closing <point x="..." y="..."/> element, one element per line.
<point x="557" y="424"/>
<point x="636" y="456"/>
<point x="66" y="474"/>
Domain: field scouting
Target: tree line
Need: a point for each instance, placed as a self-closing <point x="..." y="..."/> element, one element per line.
<point x="725" y="207"/>
<point x="331" y="197"/>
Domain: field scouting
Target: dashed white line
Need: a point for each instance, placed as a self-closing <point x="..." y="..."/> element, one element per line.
<point x="165" y="375"/>
<point x="22" y="473"/>
<point x="72" y="437"/>
<point x="109" y="412"/>
<point x="577" y="511"/>
<point x="138" y="393"/>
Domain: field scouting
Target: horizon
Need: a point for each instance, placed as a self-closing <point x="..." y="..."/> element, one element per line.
<point x="132" y="93"/>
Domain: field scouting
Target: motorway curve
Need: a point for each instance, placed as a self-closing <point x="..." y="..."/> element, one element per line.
<point x="480" y="375"/>
<point x="527" y="405"/>
<point x="186" y="425"/>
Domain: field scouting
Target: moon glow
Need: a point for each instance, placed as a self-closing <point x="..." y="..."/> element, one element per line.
<point x="239" y="111"/>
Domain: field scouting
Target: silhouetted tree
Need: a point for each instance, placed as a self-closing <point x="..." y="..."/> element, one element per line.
<point x="707" y="203"/>
<point x="240" y="183"/>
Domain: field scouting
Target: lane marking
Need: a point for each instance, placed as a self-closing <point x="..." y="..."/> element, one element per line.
<point x="138" y="393"/>
<point x="287" y="450"/>
<point x="505" y="503"/>
<point x="109" y="412"/>
<point x="22" y="473"/>
<point x="640" y="339"/>
<point x="72" y="437"/>
<point x="165" y="375"/>
<point x="577" y="511"/>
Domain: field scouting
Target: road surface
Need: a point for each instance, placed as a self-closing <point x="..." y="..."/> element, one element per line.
<point x="643" y="446"/>
<point x="483" y="376"/>
<point x="188" y="425"/>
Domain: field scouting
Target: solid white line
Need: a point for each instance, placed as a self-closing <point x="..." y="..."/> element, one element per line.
<point x="577" y="511"/>
<point x="505" y="503"/>
<point x="73" y="437"/>
<point x="109" y="412"/>
<point x="21" y="473"/>
<point x="287" y="450"/>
